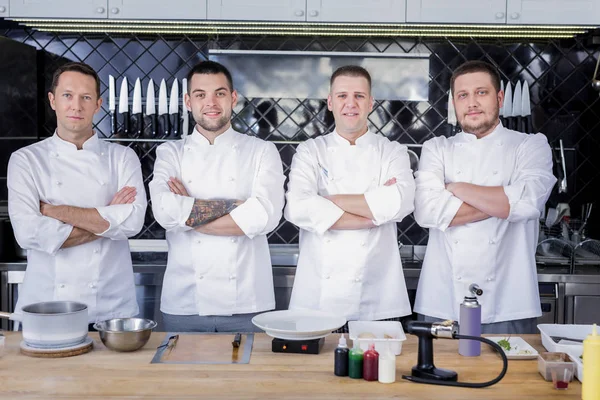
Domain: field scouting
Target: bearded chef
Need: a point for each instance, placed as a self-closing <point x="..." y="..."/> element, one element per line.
<point x="481" y="194"/>
<point x="346" y="192"/>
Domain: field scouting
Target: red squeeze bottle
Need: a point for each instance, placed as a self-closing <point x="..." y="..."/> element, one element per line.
<point x="371" y="364"/>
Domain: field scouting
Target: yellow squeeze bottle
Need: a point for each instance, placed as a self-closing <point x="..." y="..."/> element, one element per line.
<point x="591" y="367"/>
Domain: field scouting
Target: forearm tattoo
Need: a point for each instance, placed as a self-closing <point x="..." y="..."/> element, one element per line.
<point x="205" y="211"/>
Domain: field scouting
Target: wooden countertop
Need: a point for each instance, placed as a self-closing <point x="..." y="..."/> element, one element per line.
<point x="106" y="374"/>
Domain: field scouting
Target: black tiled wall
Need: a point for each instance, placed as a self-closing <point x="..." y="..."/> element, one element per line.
<point x="559" y="74"/>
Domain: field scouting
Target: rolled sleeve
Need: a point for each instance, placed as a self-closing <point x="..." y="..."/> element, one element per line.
<point x="32" y="230"/>
<point x="126" y="220"/>
<point x="382" y="202"/>
<point x="435" y="207"/>
<point x="305" y="207"/>
<point x="170" y="210"/>
<point x="251" y="217"/>
<point x="533" y="181"/>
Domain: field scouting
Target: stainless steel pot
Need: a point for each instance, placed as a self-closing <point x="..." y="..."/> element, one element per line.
<point x="53" y="323"/>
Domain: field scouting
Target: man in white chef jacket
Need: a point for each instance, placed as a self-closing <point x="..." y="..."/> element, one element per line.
<point x="481" y="193"/>
<point x="346" y="192"/>
<point x="217" y="193"/>
<point x="73" y="201"/>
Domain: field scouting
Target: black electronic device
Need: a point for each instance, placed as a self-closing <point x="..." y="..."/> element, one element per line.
<point x="312" y="346"/>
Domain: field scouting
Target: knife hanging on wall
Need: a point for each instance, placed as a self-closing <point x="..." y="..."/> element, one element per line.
<point x="136" y="110"/>
<point x="174" y="110"/>
<point x="163" y="112"/>
<point x="124" y="106"/>
<point x="451" y="114"/>
<point x="501" y="111"/>
<point x="516" y="107"/>
<point x="151" y="108"/>
<point x="507" y="109"/>
<point x="526" y="109"/>
<point x="112" y="104"/>
<point x="185" y="116"/>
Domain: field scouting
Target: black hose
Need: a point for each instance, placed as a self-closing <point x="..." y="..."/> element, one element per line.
<point x="468" y="384"/>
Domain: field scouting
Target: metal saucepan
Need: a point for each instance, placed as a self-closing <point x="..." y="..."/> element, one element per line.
<point x="53" y="323"/>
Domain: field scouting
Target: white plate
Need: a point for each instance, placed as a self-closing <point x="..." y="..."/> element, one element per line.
<point x="298" y="324"/>
<point x="517" y="348"/>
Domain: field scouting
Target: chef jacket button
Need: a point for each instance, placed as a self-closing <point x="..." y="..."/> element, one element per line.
<point x="56" y="155"/>
<point x="58" y="183"/>
<point x="102" y="183"/>
<point x="232" y="277"/>
<point x="495" y="172"/>
<point x="456" y="242"/>
<point x="327" y="277"/>
<point x="198" y="241"/>
<point x="62" y="286"/>
<point x="492" y="241"/>
<point x="489" y="279"/>
<point x="499" y="143"/>
<point x="189" y="181"/>
<point x="102" y="153"/>
<point x="92" y="285"/>
<point x="201" y="277"/>
<point x="357" y="280"/>
<point x="231" y="179"/>
<point x="458" y="278"/>
<point x="96" y="250"/>
<point x="188" y="148"/>
<point x="458" y="172"/>
<point x="362" y="244"/>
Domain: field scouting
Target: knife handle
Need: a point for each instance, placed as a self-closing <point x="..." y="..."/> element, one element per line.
<point x="164" y="122"/>
<point x="126" y="124"/>
<point x="174" y="122"/>
<point x="154" y="122"/>
<point x="113" y="123"/>
<point x="138" y="125"/>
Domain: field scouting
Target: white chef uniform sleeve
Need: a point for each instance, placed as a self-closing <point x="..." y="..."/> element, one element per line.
<point x="170" y="210"/>
<point x="532" y="180"/>
<point x="435" y="207"/>
<point x="261" y="212"/>
<point x="33" y="231"/>
<point x="126" y="220"/>
<point x="393" y="203"/>
<point x="305" y="208"/>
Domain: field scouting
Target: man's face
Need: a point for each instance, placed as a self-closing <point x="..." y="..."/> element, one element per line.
<point x="211" y="102"/>
<point x="350" y="102"/>
<point x="75" y="102"/>
<point x="477" y="103"/>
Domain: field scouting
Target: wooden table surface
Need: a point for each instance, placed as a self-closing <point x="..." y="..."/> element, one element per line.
<point x="106" y="374"/>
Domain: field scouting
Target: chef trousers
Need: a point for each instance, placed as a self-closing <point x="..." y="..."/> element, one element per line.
<point x="210" y="323"/>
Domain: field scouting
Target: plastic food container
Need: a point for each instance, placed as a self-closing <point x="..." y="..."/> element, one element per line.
<point x="386" y="335"/>
<point x="565" y="331"/>
<point x="558" y="362"/>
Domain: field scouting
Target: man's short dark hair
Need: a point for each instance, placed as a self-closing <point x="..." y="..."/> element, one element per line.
<point x="477" y="66"/>
<point x="80" y="67"/>
<point x="353" y="71"/>
<point x="210" y="68"/>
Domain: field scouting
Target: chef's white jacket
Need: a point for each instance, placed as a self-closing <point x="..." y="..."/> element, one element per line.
<point x="210" y="274"/>
<point x="497" y="254"/>
<point x="98" y="273"/>
<point x="354" y="273"/>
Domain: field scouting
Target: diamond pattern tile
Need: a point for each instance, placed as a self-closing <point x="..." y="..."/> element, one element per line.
<point x="558" y="72"/>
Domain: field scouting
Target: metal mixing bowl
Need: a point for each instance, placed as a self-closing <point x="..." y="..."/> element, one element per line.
<point x="125" y="334"/>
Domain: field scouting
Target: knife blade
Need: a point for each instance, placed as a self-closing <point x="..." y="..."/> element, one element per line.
<point x="112" y="104"/>
<point x="174" y="109"/>
<point x="185" y="117"/>
<point x="526" y="109"/>
<point x="136" y="109"/>
<point x="451" y="113"/>
<point x="508" y="104"/>
<point x="516" y="110"/>
<point x="124" y="106"/>
<point x="163" y="112"/>
<point x="151" y="107"/>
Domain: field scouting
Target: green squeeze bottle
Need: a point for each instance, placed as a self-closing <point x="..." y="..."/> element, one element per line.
<point x="355" y="365"/>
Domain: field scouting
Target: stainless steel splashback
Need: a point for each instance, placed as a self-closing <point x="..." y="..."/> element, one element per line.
<point x="305" y="74"/>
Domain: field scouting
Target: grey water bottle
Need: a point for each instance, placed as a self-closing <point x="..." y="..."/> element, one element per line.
<point x="470" y="322"/>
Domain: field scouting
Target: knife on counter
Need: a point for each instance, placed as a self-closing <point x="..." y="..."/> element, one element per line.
<point x="185" y="116"/>
<point x="136" y="110"/>
<point x="526" y="109"/>
<point x="163" y="112"/>
<point x="124" y="106"/>
<point x="516" y="107"/>
<point x="112" y="104"/>
<point x="151" y="107"/>
<point x="174" y="110"/>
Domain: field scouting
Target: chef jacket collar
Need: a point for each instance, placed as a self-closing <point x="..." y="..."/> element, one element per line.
<point x="469" y="137"/>
<point x="363" y="141"/>
<point x="223" y="139"/>
<point x="92" y="144"/>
